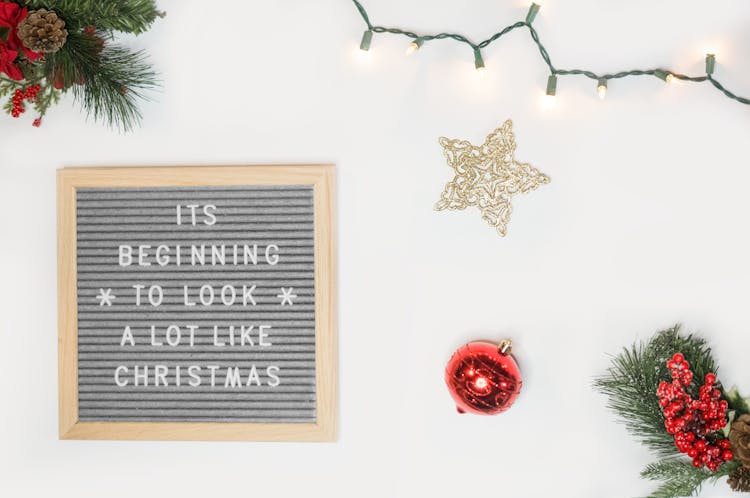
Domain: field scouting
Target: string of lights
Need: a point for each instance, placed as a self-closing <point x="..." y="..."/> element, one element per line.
<point x="417" y="41"/>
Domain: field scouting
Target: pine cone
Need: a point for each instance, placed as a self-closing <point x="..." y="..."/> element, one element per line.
<point x="739" y="436"/>
<point x="42" y="31"/>
<point x="739" y="480"/>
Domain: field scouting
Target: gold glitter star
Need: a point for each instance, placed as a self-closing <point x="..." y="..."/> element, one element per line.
<point x="487" y="176"/>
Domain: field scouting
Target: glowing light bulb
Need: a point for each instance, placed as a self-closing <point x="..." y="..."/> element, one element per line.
<point x="601" y="88"/>
<point x="478" y="61"/>
<point x="669" y="78"/>
<point x="551" y="85"/>
<point x="364" y="45"/>
<point x="414" y="46"/>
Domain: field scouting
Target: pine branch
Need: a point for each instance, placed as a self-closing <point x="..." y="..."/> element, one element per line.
<point x="129" y="16"/>
<point x="680" y="478"/>
<point x="631" y="383"/>
<point x="107" y="80"/>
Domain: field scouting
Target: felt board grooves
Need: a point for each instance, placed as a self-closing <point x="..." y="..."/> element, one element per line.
<point x="246" y="215"/>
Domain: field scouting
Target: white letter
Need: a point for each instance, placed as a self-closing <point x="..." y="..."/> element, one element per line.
<point x="142" y="255"/>
<point x="262" y="335"/>
<point x="195" y="380"/>
<point x="245" y="335"/>
<point x="210" y="301"/>
<point x="218" y="253"/>
<point x="154" y="302"/>
<point x="233" y="377"/>
<point x="144" y="375"/>
<point x="126" y="255"/>
<point x="213" y="369"/>
<point x="271" y="372"/>
<point x="192" y="329"/>
<point x="216" y="337"/>
<point x="192" y="211"/>
<point x="138" y="288"/>
<point x="272" y="259"/>
<point x="162" y="261"/>
<point x="187" y="299"/>
<point x="178" y="334"/>
<point x="153" y="337"/>
<point x="211" y="217"/>
<point x="160" y="372"/>
<point x="247" y="295"/>
<point x="253" y="376"/>
<point x="127" y="335"/>
<point x="228" y="302"/>
<point x="117" y="376"/>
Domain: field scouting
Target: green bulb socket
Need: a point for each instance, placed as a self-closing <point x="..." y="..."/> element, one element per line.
<point x="662" y="75"/>
<point x="533" y="10"/>
<point x="418" y="42"/>
<point x="552" y="85"/>
<point x="710" y="63"/>
<point x="478" y="61"/>
<point x="366" y="39"/>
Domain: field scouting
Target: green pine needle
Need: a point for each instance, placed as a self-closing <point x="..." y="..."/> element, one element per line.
<point x="107" y="80"/>
<point x="680" y="478"/>
<point x="631" y="383"/>
<point x="128" y="16"/>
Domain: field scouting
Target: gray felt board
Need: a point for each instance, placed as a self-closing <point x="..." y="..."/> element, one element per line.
<point x="258" y="379"/>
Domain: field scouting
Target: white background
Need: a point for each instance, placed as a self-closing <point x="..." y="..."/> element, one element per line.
<point x="644" y="225"/>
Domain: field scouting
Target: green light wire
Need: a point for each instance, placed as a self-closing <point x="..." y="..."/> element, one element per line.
<point x="545" y="55"/>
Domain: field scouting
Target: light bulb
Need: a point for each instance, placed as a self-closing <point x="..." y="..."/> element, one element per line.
<point x="478" y="61"/>
<point x="601" y="88"/>
<point x="710" y="63"/>
<point x="669" y="78"/>
<point x="414" y="46"/>
<point x="364" y="45"/>
<point x="552" y="85"/>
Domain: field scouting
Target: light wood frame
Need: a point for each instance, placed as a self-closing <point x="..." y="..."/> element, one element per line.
<point x="322" y="177"/>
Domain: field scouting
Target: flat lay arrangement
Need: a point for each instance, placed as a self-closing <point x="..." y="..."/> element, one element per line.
<point x="431" y="241"/>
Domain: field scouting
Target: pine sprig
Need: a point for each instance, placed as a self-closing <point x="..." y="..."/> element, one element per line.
<point x="106" y="79"/>
<point x="680" y="478"/>
<point x="631" y="383"/>
<point x="128" y="16"/>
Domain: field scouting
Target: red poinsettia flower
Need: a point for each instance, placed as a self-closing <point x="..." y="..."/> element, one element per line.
<point x="7" y="65"/>
<point x="10" y="15"/>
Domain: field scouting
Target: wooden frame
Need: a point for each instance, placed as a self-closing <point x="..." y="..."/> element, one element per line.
<point x="322" y="178"/>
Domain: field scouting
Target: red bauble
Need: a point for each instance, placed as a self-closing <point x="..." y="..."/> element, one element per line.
<point x="483" y="378"/>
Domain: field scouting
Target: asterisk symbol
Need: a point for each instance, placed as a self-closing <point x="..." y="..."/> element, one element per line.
<point x="105" y="297"/>
<point x="286" y="296"/>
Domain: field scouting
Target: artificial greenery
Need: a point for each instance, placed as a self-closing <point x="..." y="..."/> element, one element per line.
<point x="679" y="477"/>
<point x="107" y="80"/>
<point x="126" y="16"/>
<point x="631" y="385"/>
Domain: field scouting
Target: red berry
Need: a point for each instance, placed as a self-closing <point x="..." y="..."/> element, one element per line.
<point x="727" y="455"/>
<point x="724" y="444"/>
<point x="697" y="462"/>
<point x="678" y="358"/>
<point x="710" y="378"/>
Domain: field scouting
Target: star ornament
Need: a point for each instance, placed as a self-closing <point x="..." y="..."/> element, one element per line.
<point x="487" y="176"/>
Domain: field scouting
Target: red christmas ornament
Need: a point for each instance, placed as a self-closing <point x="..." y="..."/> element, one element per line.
<point x="483" y="378"/>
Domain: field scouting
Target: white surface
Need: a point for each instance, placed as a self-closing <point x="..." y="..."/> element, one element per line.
<point x="643" y="225"/>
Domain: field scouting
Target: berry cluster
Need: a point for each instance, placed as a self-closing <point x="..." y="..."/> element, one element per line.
<point x="695" y="422"/>
<point x="29" y="93"/>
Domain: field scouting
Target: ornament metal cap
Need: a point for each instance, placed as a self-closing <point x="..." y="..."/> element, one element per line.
<point x="505" y="346"/>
